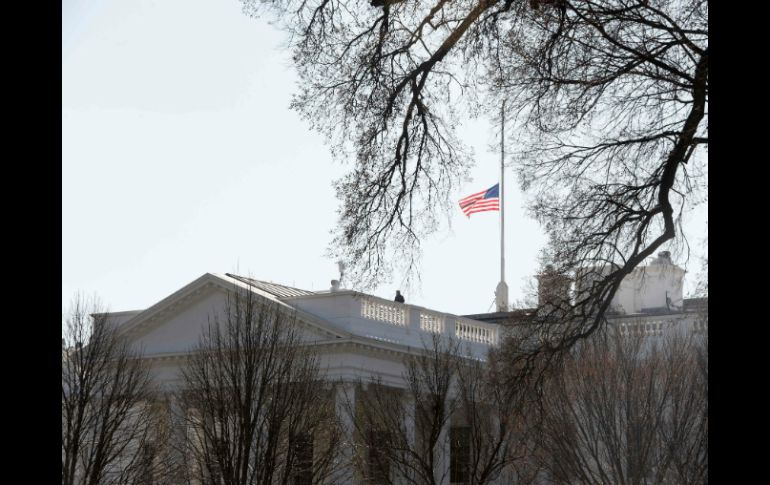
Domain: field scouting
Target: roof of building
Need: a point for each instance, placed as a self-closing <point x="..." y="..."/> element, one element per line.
<point x="696" y="304"/>
<point x="513" y="316"/>
<point x="529" y="314"/>
<point x="280" y="291"/>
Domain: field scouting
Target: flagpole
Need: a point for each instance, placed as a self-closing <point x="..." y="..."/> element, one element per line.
<point x="502" y="193"/>
<point x="501" y="293"/>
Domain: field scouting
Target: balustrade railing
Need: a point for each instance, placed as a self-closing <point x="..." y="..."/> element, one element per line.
<point x="392" y="313"/>
<point x="398" y="314"/>
<point x="431" y="322"/>
<point x="468" y="330"/>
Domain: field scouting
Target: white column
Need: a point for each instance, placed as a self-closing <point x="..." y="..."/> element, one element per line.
<point x="441" y="473"/>
<point x="495" y="414"/>
<point x="409" y="428"/>
<point x="345" y="405"/>
<point x="195" y="440"/>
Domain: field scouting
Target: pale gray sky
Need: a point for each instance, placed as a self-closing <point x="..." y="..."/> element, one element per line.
<point x="180" y="156"/>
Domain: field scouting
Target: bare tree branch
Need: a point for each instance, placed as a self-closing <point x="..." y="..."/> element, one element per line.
<point x="107" y="418"/>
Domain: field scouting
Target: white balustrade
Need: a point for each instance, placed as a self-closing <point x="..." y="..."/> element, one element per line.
<point x="407" y="316"/>
<point x="653" y="328"/>
<point x="431" y="322"/>
<point x="700" y="326"/>
<point x="392" y="313"/>
<point x="473" y="332"/>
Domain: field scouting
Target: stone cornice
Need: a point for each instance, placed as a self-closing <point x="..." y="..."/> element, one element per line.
<point x="362" y="346"/>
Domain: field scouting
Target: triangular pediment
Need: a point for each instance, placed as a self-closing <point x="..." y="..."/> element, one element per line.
<point x="174" y="324"/>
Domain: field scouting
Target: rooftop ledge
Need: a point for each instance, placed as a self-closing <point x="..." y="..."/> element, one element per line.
<point x="381" y="319"/>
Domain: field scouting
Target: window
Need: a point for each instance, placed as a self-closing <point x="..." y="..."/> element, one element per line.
<point x="459" y="455"/>
<point x="377" y="457"/>
<point x="302" y="447"/>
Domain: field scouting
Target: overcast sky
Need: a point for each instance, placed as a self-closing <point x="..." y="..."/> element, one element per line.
<point x="180" y="156"/>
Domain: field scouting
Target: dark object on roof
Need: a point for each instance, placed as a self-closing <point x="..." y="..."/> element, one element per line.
<point x="280" y="291"/>
<point x="399" y="297"/>
<point x="383" y="3"/>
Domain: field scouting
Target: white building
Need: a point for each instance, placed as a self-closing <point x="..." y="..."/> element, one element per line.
<point x="359" y="337"/>
<point x="648" y="301"/>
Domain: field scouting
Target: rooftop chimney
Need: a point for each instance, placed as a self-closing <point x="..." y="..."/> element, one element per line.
<point x="335" y="286"/>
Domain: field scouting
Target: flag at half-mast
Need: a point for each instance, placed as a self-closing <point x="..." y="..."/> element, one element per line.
<point x="486" y="200"/>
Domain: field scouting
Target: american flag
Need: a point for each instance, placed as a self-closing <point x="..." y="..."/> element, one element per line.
<point x="486" y="200"/>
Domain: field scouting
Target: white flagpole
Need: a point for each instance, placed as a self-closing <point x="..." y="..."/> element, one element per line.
<point x="501" y="293"/>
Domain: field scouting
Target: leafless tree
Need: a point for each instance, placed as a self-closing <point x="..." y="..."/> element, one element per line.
<point x="613" y="101"/>
<point x="623" y="409"/>
<point x="107" y="419"/>
<point x="499" y="420"/>
<point x="608" y="102"/>
<point x="450" y="401"/>
<point x="256" y="409"/>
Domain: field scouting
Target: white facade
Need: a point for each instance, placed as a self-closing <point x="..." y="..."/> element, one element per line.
<point x="362" y="337"/>
<point x="656" y="286"/>
<point x="650" y="301"/>
<point x="359" y="336"/>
